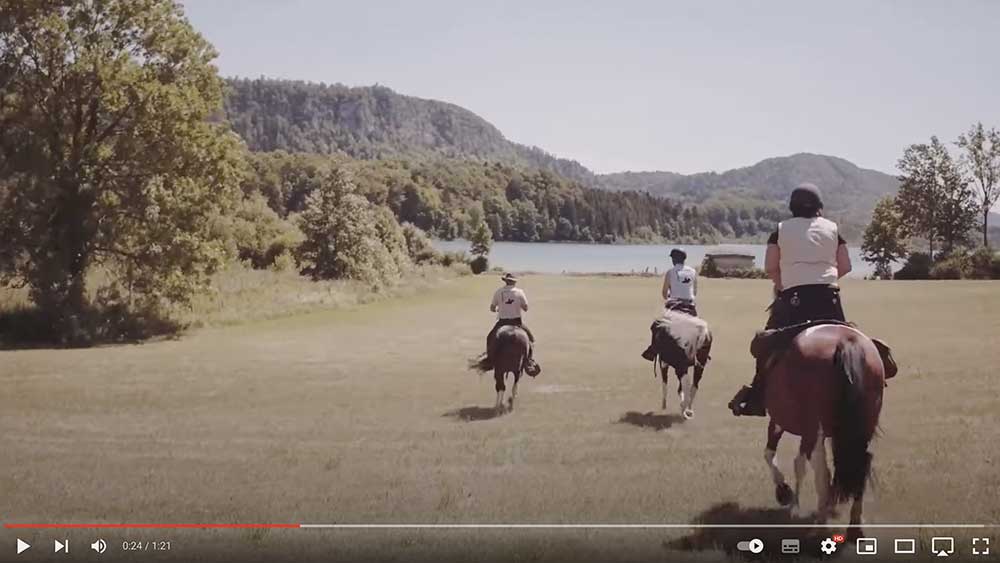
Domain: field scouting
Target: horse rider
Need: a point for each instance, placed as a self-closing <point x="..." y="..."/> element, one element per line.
<point x="509" y="301"/>
<point x="805" y="257"/>
<point x="680" y="288"/>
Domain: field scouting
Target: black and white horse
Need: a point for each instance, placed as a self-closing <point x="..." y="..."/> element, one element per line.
<point x="682" y="342"/>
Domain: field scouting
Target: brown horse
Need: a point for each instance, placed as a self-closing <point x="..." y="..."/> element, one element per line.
<point x="828" y="384"/>
<point x="510" y="354"/>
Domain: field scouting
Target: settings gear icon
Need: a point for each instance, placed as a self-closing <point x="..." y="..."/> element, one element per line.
<point x="828" y="546"/>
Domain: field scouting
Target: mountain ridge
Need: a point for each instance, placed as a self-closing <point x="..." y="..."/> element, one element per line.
<point x="375" y="122"/>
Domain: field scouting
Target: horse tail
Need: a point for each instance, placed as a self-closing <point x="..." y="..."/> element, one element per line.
<point x="482" y="364"/>
<point x="852" y="462"/>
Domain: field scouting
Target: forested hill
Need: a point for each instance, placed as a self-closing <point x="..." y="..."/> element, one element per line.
<point x="373" y="122"/>
<point x="850" y="192"/>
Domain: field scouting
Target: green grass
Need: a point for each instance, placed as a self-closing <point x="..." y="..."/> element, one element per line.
<point x="354" y="415"/>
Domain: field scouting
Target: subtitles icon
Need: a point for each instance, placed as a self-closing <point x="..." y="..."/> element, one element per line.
<point x="867" y="546"/>
<point x="942" y="547"/>
<point x="99" y="546"/>
<point x="980" y="546"/>
<point x="754" y="546"/>
<point x="791" y="547"/>
<point x="906" y="546"/>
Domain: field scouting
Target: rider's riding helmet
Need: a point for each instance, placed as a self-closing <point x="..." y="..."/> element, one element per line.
<point x="678" y="256"/>
<point x="806" y="201"/>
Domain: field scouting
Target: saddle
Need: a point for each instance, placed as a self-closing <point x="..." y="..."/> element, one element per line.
<point x="769" y="344"/>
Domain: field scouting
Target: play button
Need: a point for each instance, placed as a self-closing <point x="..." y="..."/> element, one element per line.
<point x="22" y="546"/>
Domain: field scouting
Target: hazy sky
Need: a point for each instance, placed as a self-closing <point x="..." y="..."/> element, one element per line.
<point x="683" y="86"/>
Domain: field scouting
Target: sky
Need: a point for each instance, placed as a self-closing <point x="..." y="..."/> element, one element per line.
<point x="660" y="85"/>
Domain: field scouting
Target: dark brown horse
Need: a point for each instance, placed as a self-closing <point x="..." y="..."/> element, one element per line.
<point x="828" y="384"/>
<point x="510" y="354"/>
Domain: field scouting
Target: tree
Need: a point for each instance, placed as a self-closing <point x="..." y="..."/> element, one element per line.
<point x="981" y="161"/>
<point x="107" y="155"/>
<point x="482" y="239"/>
<point x="884" y="242"/>
<point x="342" y="236"/>
<point x="933" y="200"/>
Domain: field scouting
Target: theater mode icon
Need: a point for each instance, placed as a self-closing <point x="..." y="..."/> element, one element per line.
<point x="905" y="546"/>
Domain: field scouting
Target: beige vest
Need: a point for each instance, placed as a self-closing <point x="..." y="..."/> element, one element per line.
<point x="808" y="251"/>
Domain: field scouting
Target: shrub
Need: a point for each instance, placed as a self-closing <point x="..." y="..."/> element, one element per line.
<point x="257" y="234"/>
<point x="917" y="267"/>
<point x="709" y="268"/>
<point x="952" y="268"/>
<point x="419" y="246"/>
<point x="479" y="264"/>
<point x="983" y="264"/>
<point x="746" y="273"/>
<point x="345" y="236"/>
<point x="449" y="258"/>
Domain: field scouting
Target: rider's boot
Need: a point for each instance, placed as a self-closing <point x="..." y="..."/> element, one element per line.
<point x="649" y="353"/>
<point x="749" y="401"/>
<point x="531" y="366"/>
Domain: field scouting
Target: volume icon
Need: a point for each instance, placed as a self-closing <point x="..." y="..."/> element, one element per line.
<point x="99" y="546"/>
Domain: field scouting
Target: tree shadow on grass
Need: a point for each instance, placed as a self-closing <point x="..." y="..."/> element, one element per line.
<point x="473" y="414"/>
<point x="736" y="521"/>
<point x="650" y="420"/>
<point x="30" y="328"/>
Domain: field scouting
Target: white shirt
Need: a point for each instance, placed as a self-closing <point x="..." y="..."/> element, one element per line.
<point x="682" y="281"/>
<point x="509" y="302"/>
<point x="808" y="251"/>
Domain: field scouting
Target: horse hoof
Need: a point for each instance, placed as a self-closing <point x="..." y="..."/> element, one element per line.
<point x="688" y="414"/>
<point x="783" y="494"/>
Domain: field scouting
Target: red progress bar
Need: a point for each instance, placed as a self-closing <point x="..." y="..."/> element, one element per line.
<point x="36" y="526"/>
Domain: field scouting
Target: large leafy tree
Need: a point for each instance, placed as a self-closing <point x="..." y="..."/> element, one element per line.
<point x="884" y="242"/>
<point x="981" y="160"/>
<point x="934" y="201"/>
<point x="345" y="237"/>
<point x="107" y="154"/>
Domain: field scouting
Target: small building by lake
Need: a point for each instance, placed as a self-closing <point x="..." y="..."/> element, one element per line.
<point x="726" y="258"/>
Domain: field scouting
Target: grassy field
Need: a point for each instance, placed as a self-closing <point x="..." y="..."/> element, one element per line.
<point x="368" y="415"/>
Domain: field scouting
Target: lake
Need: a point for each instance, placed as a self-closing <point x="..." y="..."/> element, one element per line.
<point x="564" y="257"/>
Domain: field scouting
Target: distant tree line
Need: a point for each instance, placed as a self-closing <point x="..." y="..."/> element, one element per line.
<point x="943" y="201"/>
<point x="449" y="198"/>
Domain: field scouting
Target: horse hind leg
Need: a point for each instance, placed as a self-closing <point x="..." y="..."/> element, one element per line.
<point x="806" y="447"/>
<point x="782" y="492"/>
<point x="854" y="529"/>
<point x="498" y="376"/>
<point x="513" y="390"/>
<point x="664" y="375"/>
<point x="821" y="472"/>
<point x="687" y="395"/>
